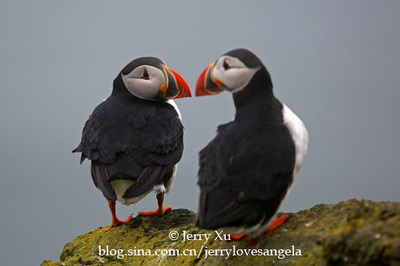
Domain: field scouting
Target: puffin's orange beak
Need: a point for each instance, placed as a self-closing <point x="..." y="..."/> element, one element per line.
<point x="207" y="84"/>
<point x="177" y="86"/>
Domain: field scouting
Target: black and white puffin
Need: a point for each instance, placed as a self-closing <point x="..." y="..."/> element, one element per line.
<point x="134" y="138"/>
<point x="248" y="168"/>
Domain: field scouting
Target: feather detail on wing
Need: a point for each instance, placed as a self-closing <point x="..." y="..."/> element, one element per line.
<point x="150" y="177"/>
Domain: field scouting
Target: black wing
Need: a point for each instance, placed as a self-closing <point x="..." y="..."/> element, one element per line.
<point x="131" y="140"/>
<point x="243" y="177"/>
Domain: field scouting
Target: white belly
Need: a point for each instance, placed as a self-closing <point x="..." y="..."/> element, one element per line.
<point x="120" y="186"/>
<point x="299" y="135"/>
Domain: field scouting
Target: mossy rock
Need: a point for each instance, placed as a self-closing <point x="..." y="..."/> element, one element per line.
<point x="348" y="233"/>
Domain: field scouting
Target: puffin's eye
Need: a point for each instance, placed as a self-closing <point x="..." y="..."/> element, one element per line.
<point x="145" y="74"/>
<point x="226" y="65"/>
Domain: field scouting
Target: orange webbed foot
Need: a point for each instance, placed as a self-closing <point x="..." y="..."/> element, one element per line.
<point x="159" y="211"/>
<point x="238" y="237"/>
<point x="278" y="221"/>
<point x="116" y="222"/>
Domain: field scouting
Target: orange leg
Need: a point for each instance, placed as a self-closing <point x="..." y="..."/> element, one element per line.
<point x="160" y="210"/>
<point x="278" y="221"/>
<point x="114" y="220"/>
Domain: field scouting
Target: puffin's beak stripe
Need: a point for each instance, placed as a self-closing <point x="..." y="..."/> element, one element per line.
<point x="210" y="70"/>
<point x="164" y="87"/>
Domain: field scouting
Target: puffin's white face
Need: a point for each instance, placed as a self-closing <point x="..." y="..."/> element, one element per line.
<point x="232" y="73"/>
<point x="145" y="82"/>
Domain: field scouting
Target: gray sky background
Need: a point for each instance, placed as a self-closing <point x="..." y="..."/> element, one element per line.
<point x="336" y="65"/>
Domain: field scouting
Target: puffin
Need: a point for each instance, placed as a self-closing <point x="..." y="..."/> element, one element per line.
<point x="247" y="170"/>
<point x="134" y="138"/>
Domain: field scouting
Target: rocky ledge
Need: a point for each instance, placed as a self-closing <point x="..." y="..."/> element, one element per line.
<point x="351" y="232"/>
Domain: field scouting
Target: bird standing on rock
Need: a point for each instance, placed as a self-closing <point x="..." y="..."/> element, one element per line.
<point x="134" y="138"/>
<point x="248" y="168"/>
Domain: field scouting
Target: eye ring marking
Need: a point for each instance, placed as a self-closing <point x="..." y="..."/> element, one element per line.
<point x="145" y="75"/>
<point x="226" y="65"/>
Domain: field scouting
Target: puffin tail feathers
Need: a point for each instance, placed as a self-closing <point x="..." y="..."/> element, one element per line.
<point x="150" y="177"/>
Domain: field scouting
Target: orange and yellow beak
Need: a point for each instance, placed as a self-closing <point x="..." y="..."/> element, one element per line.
<point x="207" y="84"/>
<point x="175" y="86"/>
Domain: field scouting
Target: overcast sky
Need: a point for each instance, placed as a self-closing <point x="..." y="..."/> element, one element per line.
<point x="336" y="64"/>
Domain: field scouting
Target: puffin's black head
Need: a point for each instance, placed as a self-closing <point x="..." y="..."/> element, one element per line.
<point x="150" y="79"/>
<point x="232" y="71"/>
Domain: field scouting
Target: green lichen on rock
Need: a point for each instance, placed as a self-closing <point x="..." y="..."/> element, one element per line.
<point x="348" y="233"/>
